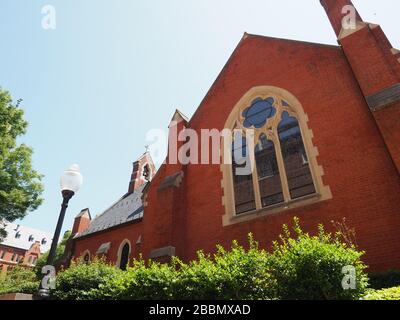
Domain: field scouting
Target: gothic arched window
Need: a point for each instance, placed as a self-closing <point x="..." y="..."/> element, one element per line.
<point x="86" y="258"/>
<point x="124" y="252"/>
<point x="274" y="164"/>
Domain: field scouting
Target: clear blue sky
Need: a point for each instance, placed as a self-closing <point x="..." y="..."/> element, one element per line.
<point x="114" y="69"/>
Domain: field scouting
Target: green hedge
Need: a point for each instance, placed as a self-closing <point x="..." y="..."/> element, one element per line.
<point x="300" y="267"/>
<point x="385" y="294"/>
<point x="310" y="267"/>
<point x="81" y="281"/>
<point x="233" y="274"/>
<point x="384" y="280"/>
<point x="19" y="280"/>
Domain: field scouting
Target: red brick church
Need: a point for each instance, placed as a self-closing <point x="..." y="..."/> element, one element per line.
<point x="327" y="146"/>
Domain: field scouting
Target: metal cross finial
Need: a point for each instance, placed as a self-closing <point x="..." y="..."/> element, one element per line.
<point x="147" y="147"/>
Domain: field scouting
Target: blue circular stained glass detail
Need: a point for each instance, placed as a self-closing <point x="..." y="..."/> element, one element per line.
<point x="258" y="113"/>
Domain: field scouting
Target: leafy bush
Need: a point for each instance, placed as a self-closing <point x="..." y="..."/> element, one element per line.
<point x="140" y="282"/>
<point x="385" y="294"/>
<point x="310" y="267"/>
<point x="81" y="281"/>
<point x="229" y="275"/>
<point x="300" y="267"/>
<point x="19" y="280"/>
<point x="384" y="280"/>
<point x="234" y="274"/>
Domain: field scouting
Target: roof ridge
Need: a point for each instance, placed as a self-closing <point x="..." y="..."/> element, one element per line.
<point x="292" y="40"/>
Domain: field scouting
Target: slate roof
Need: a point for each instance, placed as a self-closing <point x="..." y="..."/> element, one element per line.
<point x="24" y="237"/>
<point x="126" y="209"/>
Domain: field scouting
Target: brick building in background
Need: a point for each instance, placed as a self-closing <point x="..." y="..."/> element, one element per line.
<point x="327" y="129"/>
<point x="22" y="247"/>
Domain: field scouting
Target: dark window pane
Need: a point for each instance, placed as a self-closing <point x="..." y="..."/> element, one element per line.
<point x="268" y="173"/>
<point x="294" y="156"/>
<point x="242" y="178"/>
<point x="86" y="258"/>
<point x="124" y="257"/>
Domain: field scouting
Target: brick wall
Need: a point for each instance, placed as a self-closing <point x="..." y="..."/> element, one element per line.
<point x="358" y="168"/>
<point x="116" y="236"/>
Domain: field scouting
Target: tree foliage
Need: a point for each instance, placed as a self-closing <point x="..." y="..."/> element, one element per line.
<point x="41" y="262"/>
<point x="19" y="280"/>
<point x="20" y="184"/>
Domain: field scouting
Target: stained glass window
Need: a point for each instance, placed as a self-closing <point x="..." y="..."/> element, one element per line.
<point x="281" y="171"/>
<point x="258" y="113"/>
<point x="242" y="176"/>
<point x="298" y="172"/>
<point x="268" y="173"/>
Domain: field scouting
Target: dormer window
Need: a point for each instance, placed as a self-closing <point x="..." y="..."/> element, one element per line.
<point x="31" y="238"/>
<point x="18" y="235"/>
<point x="44" y="241"/>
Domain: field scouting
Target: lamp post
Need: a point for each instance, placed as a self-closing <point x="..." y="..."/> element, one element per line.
<point x="71" y="181"/>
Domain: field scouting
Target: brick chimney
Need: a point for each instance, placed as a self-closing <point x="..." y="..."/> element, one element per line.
<point x="376" y="67"/>
<point x="337" y="10"/>
<point x="81" y="222"/>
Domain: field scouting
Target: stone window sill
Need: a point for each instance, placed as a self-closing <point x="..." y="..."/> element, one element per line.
<point x="274" y="209"/>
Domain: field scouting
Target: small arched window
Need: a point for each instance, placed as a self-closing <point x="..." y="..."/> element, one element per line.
<point x="124" y="253"/>
<point x="146" y="172"/>
<point x="124" y="256"/>
<point x="273" y="160"/>
<point x="86" y="258"/>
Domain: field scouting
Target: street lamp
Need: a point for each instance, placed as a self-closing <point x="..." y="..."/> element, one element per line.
<point x="71" y="181"/>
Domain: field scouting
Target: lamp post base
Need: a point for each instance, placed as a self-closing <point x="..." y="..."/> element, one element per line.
<point x="42" y="294"/>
